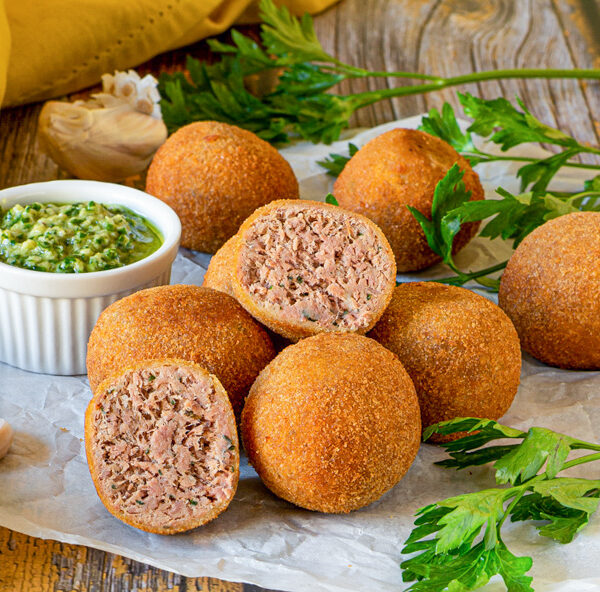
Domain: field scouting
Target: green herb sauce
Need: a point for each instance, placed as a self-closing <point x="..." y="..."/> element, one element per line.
<point x="74" y="238"/>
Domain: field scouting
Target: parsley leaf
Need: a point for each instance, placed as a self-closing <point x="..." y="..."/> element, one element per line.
<point x="462" y="567"/>
<point x="507" y="126"/>
<point x="467" y="451"/>
<point x="444" y="224"/>
<point x="334" y="164"/>
<point x="458" y="541"/>
<point x="292" y="40"/>
<point x="539" y="446"/>
<point x="592" y="184"/>
<point x="444" y="126"/>
<point x="538" y="174"/>
<point x="562" y="523"/>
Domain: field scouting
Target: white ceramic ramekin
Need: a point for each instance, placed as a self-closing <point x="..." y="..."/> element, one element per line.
<point x="46" y="318"/>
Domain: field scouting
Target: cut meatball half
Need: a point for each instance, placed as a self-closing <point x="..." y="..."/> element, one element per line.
<point x="162" y="446"/>
<point x="220" y="268"/>
<point x="305" y="267"/>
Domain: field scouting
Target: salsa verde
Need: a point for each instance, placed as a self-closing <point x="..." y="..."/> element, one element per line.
<point x="74" y="237"/>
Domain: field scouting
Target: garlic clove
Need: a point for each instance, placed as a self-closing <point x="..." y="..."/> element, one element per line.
<point x="105" y="144"/>
<point x="6" y="437"/>
<point x="110" y="137"/>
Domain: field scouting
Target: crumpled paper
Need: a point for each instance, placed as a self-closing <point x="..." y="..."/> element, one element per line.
<point x="46" y="489"/>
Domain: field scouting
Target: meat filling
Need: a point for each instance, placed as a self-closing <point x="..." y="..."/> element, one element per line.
<point x="314" y="265"/>
<point x="163" y="447"/>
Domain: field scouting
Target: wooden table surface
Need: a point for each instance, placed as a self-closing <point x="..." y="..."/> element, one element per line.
<point x="445" y="37"/>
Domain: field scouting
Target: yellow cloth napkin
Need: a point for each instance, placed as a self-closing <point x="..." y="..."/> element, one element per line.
<point x="54" y="47"/>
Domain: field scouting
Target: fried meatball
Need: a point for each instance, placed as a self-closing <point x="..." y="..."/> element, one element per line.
<point x="551" y="291"/>
<point x="214" y="175"/>
<point x="186" y="322"/>
<point x="332" y="423"/>
<point x="221" y="267"/>
<point x="162" y="446"/>
<point x="306" y="267"/>
<point x="461" y="351"/>
<point x="397" y="169"/>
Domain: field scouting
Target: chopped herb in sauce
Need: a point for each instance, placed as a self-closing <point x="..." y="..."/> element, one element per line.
<point x="74" y="238"/>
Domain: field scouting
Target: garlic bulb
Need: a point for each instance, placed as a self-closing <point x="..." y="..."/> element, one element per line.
<point x="6" y="437"/>
<point x="112" y="136"/>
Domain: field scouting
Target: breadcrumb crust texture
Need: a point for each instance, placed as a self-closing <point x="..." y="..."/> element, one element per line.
<point x="460" y="349"/>
<point x="332" y="423"/>
<point x="220" y="270"/>
<point x="214" y="175"/>
<point x="551" y="291"/>
<point x="187" y="322"/>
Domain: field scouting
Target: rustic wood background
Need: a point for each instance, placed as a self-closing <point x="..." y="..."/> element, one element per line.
<point x="446" y="37"/>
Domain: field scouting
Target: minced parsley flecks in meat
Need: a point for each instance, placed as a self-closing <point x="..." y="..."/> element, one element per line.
<point x="75" y="237"/>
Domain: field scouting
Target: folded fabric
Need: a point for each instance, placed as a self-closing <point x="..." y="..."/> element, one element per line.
<point x="55" y="47"/>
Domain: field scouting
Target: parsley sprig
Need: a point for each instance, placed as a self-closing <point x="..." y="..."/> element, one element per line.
<point x="299" y="105"/>
<point x="512" y="216"/>
<point x="459" y="541"/>
<point x="498" y="121"/>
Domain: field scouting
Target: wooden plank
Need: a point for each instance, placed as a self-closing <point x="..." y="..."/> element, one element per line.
<point x="28" y="564"/>
<point x="580" y="22"/>
<point x="453" y="37"/>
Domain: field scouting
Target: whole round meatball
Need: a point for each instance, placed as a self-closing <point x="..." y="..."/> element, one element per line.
<point x="551" y="291"/>
<point x="461" y="351"/>
<point x="397" y="169"/>
<point x="214" y="175"/>
<point x="332" y="423"/>
<point x="185" y="322"/>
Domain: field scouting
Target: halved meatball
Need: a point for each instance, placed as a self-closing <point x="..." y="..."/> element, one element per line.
<point x="185" y="322"/>
<point x="220" y="269"/>
<point x="162" y="446"/>
<point x="305" y="267"/>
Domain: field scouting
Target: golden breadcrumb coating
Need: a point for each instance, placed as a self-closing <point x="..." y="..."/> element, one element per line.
<point x="186" y="322"/>
<point x="221" y="268"/>
<point x="397" y="169"/>
<point x="461" y="351"/>
<point x="551" y="291"/>
<point x="332" y="423"/>
<point x="214" y="175"/>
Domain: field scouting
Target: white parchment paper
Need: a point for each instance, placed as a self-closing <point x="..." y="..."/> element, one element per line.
<point x="46" y="490"/>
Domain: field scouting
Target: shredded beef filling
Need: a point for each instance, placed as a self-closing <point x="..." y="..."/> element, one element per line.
<point x="163" y="447"/>
<point x="317" y="266"/>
